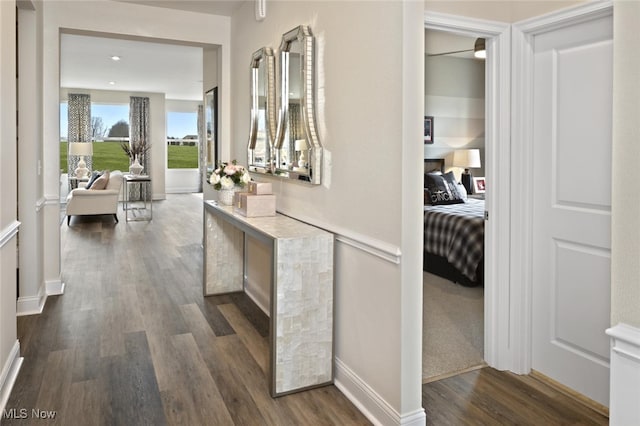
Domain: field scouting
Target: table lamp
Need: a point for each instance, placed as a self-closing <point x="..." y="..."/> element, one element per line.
<point x="301" y="146"/>
<point x="81" y="149"/>
<point x="468" y="159"/>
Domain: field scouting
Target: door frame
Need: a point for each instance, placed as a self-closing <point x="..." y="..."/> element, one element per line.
<point x="523" y="34"/>
<point x="498" y="345"/>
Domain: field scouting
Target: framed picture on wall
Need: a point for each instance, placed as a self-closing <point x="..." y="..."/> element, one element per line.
<point x="479" y="185"/>
<point x="428" y="129"/>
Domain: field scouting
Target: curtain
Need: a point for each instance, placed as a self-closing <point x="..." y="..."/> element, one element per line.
<point x="139" y="127"/>
<point x="201" y="145"/>
<point x="295" y="130"/>
<point x="139" y="133"/>
<point x="78" y="128"/>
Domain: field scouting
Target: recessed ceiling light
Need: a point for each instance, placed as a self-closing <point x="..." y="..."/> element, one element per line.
<point x="113" y="83"/>
<point x="115" y="58"/>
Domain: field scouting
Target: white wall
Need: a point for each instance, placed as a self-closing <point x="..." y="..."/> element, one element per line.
<point x="454" y="96"/>
<point x="211" y="72"/>
<point x="369" y="117"/>
<point x="625" y="238"/>
<point x="32" y="293"/>
<point x="9" y="346"/>
<point x="123" y="19"/>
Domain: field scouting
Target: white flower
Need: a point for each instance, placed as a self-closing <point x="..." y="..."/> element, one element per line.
<point x="246" y="178"/>
<point x="227" y="183"/>
<point x="214" y="179"/>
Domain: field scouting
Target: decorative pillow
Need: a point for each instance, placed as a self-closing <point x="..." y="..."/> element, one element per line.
<point x="101" y="182"/>
<point x="442" y="188"/>
<point x="95" y="175"/>
<point x="462" y="191"/>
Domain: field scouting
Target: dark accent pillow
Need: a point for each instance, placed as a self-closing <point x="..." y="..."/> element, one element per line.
<point x="442" y="189"/>
<point x="95" y="175"/>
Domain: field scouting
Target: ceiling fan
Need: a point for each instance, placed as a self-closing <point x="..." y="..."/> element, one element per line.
<point x="479" y="50"/>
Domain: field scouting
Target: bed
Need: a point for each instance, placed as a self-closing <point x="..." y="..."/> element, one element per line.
<point x="454" y="236"/>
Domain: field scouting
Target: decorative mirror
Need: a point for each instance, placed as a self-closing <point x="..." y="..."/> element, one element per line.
<point x="298" y="153"/>
<point x="211" y="130"/>
<point x="263" y="111"/>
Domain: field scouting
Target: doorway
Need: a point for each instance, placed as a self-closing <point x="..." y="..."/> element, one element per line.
<point x="453" y="313"/>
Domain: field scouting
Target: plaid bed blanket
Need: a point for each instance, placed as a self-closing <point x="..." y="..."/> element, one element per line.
<point x="456" y="232"/>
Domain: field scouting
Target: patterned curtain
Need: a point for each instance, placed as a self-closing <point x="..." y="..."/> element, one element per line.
<point x="139" y="127"/>
<point x="201" y="145"/>
<point x="78" y="128"/>
<point x="294" y="128"/>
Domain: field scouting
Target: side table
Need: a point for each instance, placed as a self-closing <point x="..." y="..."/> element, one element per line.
<point x="140" y="208"/>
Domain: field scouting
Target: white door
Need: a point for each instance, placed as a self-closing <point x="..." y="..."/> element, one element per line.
<point x="572" y="205"/>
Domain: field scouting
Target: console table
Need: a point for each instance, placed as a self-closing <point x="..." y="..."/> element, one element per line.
<point x="301" y="306"/>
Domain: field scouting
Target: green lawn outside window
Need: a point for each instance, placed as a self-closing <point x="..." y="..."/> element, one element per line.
<point x="110" y="156"/>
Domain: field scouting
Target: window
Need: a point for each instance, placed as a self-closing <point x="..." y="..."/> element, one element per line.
<point x="182" y="140"/>
<point x="109" y="128"/>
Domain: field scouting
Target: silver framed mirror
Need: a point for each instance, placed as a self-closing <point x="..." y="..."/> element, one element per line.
<point x="263" y="111"/>
<point x="298" y="152"/>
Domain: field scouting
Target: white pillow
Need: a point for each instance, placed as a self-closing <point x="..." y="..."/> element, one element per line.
<point x="462" y="191"/>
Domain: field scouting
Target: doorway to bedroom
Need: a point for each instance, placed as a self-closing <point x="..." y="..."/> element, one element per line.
<point x="453" y="279"/>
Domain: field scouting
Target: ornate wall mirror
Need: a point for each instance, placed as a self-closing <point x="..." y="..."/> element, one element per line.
<point x="298" y="153"/>
<point x="263" y="111"/>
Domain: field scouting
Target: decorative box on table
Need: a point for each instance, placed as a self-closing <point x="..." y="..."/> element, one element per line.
<point x="258" y="202"/>
<point x="260" y="188"/>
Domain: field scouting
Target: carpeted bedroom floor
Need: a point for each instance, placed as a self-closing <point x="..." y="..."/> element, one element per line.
<point x="453" y="328"/>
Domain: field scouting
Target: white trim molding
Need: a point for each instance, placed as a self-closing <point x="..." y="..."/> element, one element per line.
<point x="367" y="400"/>
<point x="624" y="402"/>
<point x="9" y="232"/>
<point x="40" y="203"/>
<point x="498" y="309"/>
<point x="9" y="374"/>
<point x="54" y="287"/>
<point x="31" y="305"/>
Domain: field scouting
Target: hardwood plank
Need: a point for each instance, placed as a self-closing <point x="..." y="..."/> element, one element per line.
<point x="255" y="343"/>
<point x="488" y="396"/>
<point x="130" y="386"/>
<point x="189" y="393"/>
<point x="83" y="405"/>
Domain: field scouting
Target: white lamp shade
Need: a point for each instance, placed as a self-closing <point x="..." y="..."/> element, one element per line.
<point x="467" y="158"/>
<point x="81" y="148"/>
<point x="300" y="145"/>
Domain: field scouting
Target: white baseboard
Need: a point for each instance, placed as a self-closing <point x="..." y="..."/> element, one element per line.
<point x="372" y="405"/>
<point x="625" y="375"/>
<point x="54" y="287"/>
<point x="9" y="374"/>
<point x="31" y="305"/>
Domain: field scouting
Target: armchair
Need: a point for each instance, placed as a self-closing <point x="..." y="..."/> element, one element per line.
<point x="82" y="201"/>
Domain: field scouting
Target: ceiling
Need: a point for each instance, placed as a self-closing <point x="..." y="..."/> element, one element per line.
<point x="175" y="70"/>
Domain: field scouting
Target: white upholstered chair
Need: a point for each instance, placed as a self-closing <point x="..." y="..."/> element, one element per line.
<point x="82" y="201"/>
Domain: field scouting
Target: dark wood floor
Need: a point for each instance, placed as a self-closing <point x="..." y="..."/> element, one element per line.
<point x="491" y="397"/>
<point x="133" y="342"/>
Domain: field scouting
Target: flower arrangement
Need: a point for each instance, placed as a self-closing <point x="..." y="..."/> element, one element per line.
<point x="228" y="175"/>
<point x="135" y="150"/>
